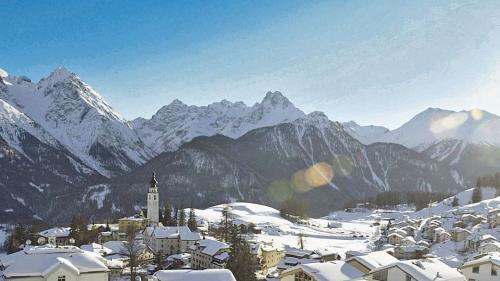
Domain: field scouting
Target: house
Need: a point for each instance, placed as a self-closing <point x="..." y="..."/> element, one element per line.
<point x="295" y="256"/>
<point x="486" y="268"/>
<point x="408" y="241"/>
<point x="136" y="222"/>
<point x="441" y="235"/>
<point x="325" y="255"/>
<point x="366" y="263"/>
<point x="395" y="238"/>
<point x="57" y="236"/>
<point x="489" y="247"/>
<point x="50" y="263"/>
<point x="179" y="261"/>
<point x="190" y="275"/>
<point x="475" y="240"/>
<point x="493" y="218"/>
<point x="409" y="252"/>
<point x="410" y="230"/>
<point x="471" y="219"/>
<point x="324" y="271"/>
<point x="269" y="257"/>
<point x="118" y="252"/>
<point x="96" y="248"/>
<point x="170" y="240"/>
<point x="415" y="270"/>
<point x="423" y="243"/>
<point x="459" y="234"/>
<point x="209" y="253"/>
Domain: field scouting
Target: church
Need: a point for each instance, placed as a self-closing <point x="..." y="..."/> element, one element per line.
<point x="153" y="210"/>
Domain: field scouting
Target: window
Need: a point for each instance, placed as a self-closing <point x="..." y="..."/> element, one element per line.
<point x="61" y="278"/>
<point x="380" y="275"/>
<point x="475" y="269"/>
<point x="493" y="271"/>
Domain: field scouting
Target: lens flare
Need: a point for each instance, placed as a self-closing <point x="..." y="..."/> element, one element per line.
<point x="299" y="182"/>
<point x="342" y="166"/>
<point x="319" y="174"/>
<point x="476" y="114"/>
<point x="280" y="190"/>
<point x="448" y="123"/>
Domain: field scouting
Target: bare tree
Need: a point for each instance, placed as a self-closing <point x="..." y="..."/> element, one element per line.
<point x="301" y="240"/>
<point x="132" y="249"/>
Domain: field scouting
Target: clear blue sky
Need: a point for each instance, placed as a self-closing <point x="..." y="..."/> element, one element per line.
<point x="376" y="62"/>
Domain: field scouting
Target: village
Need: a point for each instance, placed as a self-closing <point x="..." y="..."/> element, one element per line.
<point x="450" y="240"/>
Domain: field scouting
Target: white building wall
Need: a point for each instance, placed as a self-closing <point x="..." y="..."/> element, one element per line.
<point x="483" y="275"/>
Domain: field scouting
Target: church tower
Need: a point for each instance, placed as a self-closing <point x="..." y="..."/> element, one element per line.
<point x="153" y="204"/>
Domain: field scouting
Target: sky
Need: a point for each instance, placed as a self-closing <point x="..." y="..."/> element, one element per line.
<point x="375" y="62"/>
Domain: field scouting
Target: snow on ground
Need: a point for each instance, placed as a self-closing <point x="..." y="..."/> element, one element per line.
<point x="464" y="198"/>
<point x="353" y="235"/>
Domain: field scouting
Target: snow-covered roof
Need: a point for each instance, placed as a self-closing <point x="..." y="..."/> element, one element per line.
<point x="96" y="248"/>
<point x="328" y="271"/>
<point x="190" y="275"/>
<point x="493" y="257"/>
<point x="172" y="232"/>
<point x="133" y="218"/>
<point x="211" y="246"/>
<point x="374" y="259"/>
<point x="396" y="234"/>
<point x="42" y="260"/>
<point x="426" y="270"/>
<point x="116" y="247"/>
<point x="55" y="232"/>
<point x="410" y="248"/>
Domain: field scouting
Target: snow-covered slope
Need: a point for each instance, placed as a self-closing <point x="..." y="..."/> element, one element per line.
<point x="489" y="202"/>
<point x="78" y="117"/>
<point x="434" y="125"/>
<point x="365" y="134"/>
<point x="281" y="232"/>
<point x="177" y="123"/>
<point x="13" y="123"/>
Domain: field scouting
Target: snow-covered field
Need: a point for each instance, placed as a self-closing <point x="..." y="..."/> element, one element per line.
<point x="354" y="230"/>
<point x="353" y="235"/>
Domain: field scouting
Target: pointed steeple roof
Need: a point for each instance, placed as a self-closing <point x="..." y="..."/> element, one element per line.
<point x="153" y="181"/>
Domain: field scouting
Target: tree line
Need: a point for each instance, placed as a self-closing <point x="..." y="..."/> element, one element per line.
<point x="178" y="217"/>
<point x="391" y="199"/>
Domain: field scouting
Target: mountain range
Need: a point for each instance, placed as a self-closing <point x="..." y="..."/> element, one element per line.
<point x="61" y="143"/>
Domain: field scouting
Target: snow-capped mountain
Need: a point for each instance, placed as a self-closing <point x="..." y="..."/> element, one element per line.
<point x="270" y="164"/>
<point x="177" y="123"/>
<point x="434" y="125"/>
<point x="365" y="134"/>
<point x="79" y="118"/>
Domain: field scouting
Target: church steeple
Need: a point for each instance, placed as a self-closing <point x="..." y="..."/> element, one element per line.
<point x="153" y="181"/>
<point x="153" y="201"/>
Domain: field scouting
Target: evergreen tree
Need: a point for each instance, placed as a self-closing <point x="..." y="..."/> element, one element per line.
<point x="107" y="226"/>
<point x="182" y="217"/>
<point x="241" y="262"/>
<point x="454" y="203"/>
<point x="192" y="224"/>
<point x="15" y="239"/>
<point x="160" y="215"/>
<point x="476" y="195"/>
<point x="175" y="217"/>
<point x="167" y="216"/>
<point x="80" y="232"/>
<point x="226" y="223"/>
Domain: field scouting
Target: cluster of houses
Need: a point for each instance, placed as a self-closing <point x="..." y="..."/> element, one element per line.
<point x="405" y="254"/>
<point x="402" y="255"/>
<point x="187" y="251"/>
